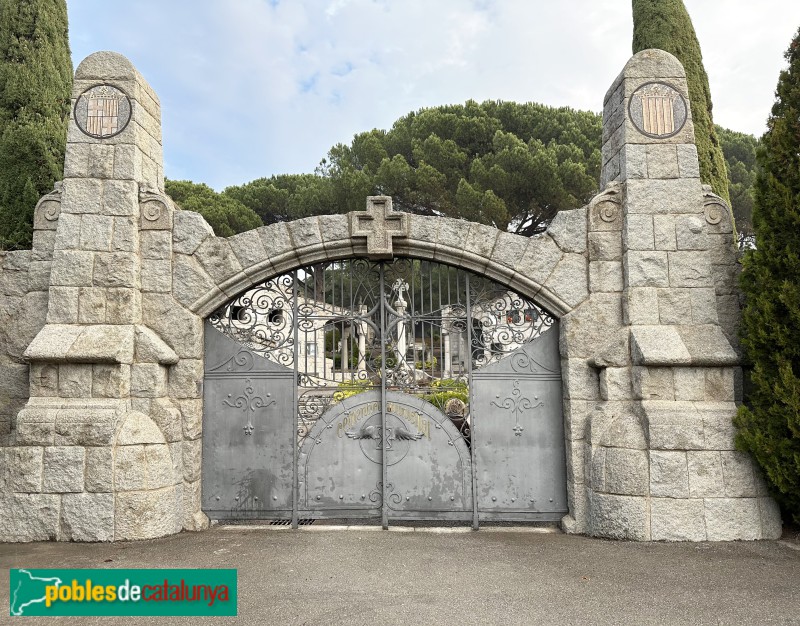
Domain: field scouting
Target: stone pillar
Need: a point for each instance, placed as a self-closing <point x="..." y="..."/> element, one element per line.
<point x="345" y="348"/>
<point x="361" y="329"/>
<point x="663" y="465"/>
<point x="446" y="357"/>
<point x="99" y="442"/>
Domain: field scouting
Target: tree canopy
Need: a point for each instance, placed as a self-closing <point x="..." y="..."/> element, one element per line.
<point x="509" y="165"/>
<point x="770" y="419"/>
<point x="666" y="25"/>
<point x="224" y="214"/>
<point x="35" y="91"/>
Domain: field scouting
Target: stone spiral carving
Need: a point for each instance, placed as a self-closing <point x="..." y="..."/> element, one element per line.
<point x="151" y="211"/>
<point x="608" y="203"/>
<point x="48" y="209"/>
<point x="714" y="207"/>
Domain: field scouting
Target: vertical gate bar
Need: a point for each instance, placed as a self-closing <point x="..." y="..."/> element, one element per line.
<point x="384" y="501"/>
<point x="475" y="523"/>
<point x="295" y="403"/>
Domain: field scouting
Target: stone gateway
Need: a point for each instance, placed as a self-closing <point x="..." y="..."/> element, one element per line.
<point x="116" y="422"/>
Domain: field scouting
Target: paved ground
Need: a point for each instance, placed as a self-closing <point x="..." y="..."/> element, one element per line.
<point x="365" y="576"/>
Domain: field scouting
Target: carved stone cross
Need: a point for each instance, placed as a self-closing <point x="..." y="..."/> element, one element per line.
<point x="379" y="224"/>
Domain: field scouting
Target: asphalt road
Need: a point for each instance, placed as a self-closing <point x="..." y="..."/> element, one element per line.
<point x="459" y="577"/>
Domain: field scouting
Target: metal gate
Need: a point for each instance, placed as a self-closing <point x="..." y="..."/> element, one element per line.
<point x="400" y="389"/>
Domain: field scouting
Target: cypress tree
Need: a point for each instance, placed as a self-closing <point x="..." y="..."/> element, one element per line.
<point x="666" y="25"/>
<point x="35" y="90"/>
<point x="770" y="419"/>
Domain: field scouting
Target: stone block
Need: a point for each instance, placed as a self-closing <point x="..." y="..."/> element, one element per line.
<point x="615" y="425"/>
<point x="585" y="330"/>
<point x="123" y="306"/>
<point x="615" y="383"/>
<point x="147" y="514"/>
<point x="96" y="232"/>
<point x="509" y="248"/>
<point x="568" y="230"/>
<point x="29" y="517"/>
<point x="126" y="235"/>
<point x="44" y="380"/>
<point x="662" y="161"/>
<point x="633" y="159"/>
<point x="138" y="428"/>
<point x="91" y="305"/>
<point x="569" y="280"/>
<point x="156" y="244"/>
<point x="595" y="467"/>
<point x="120" y="198"/>
<point x="677" y="520"/>
<point x="63" y="469"/>
<point x="653" y="383"/>
<point x="111" y="381"/>
<point x="539" y="259"/>
<point x="160" y="471"/>
<point x="718" y="425"/>
<point x="704" y="306"/>
<point x="669" y="474"/>
<point x="130" y="469"/>
<point x="707" y="345"/>
<point x="75" y="380"/>
<point x="157" y="275"/>
<point x="771" y="523"/>
<point x="688" y="164"/>
<point x="690" y="232"/>
<point x="35" y="424"/>
<point x="25" y="469"/>
<point x="25" y="324"/>
<point x="99" y="469"/>
<point x="217" y="259"/>
<point x="148" y="380"/>
<point x="192" y="418"/>
<point x="705" y="474"/>
<point x="720" y="384"/>
<point x="248" y="248"/>
<point x="39" y="276"/>
<point x="675" y="306"/>
<point x="646" y="269"/>
<point x="189" y="231"/>
<point x="190" y="281"/>
<point x="689" y="269"/>
<point x="87" y="517"/>
<point x="673" y="425"/>
<point x="690" y="383"/>
<point x="185" y="379"/>
<point x="72" y="268"/>
<point x="193" y="517"/>
<point x="575" y="461"/>
<point x="626" y="472"/>
<point x="580" y="380"/>
<point x="658" y="346"/>
<point x="738" y="476"/>
<point x="115" y="269"/>
<point x="81" y="196"/>
<point x="605" y="276"/>
<point x="80" y="425"/>
<point x="637" y="232"/>
<point x="192" y="459"/>
<point x="168" y="419"/>
<point x="732" y="519"/>
<point x="605" y="246"/>
<point x="181" y="330"/>
<point x="619" y="517"/>
<point x="150" y="348"/>
<point x="664" y="197"/>
<point x="641" y="306"/>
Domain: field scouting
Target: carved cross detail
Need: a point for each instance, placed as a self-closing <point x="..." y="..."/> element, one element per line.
<point x="380" y="225"/>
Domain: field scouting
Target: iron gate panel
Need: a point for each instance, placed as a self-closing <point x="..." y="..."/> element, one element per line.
<point x="247" y="432"/>
<point x="389" y="389"/>
<point x="520" y="447"/>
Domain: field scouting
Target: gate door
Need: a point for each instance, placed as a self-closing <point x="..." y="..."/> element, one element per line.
<point x="392" y="390"/>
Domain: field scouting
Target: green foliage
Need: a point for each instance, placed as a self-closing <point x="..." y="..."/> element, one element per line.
<point x="740" y="159"/>
<point x="770" y="420"/>
<point x="226" y="215"/>
<point x="498" y="163"/>
<point x="445" y="389"/>
<point x="348" y="388"/>
<point x="666" y="25"/>
<point x="35" y="90"/>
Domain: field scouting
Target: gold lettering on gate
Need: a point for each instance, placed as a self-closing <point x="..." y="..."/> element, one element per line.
<point x="354" y="416"/>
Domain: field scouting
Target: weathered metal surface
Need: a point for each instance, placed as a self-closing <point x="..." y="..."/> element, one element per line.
<point x="405" y="387"/>
<point x="247" y="432"/>
<point x="519" y="434"/>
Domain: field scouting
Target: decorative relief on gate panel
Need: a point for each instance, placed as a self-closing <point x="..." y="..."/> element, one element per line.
<point x="517" y="404"/>
<point x="248" y="402"/>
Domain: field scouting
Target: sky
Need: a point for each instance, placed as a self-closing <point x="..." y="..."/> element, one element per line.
<point x="252" y="88"/>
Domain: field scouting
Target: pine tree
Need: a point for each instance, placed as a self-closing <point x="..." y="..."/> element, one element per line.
<point x="35" y="90"/>
<point x="666" y="25"/>
<point x="770" y="419"/>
